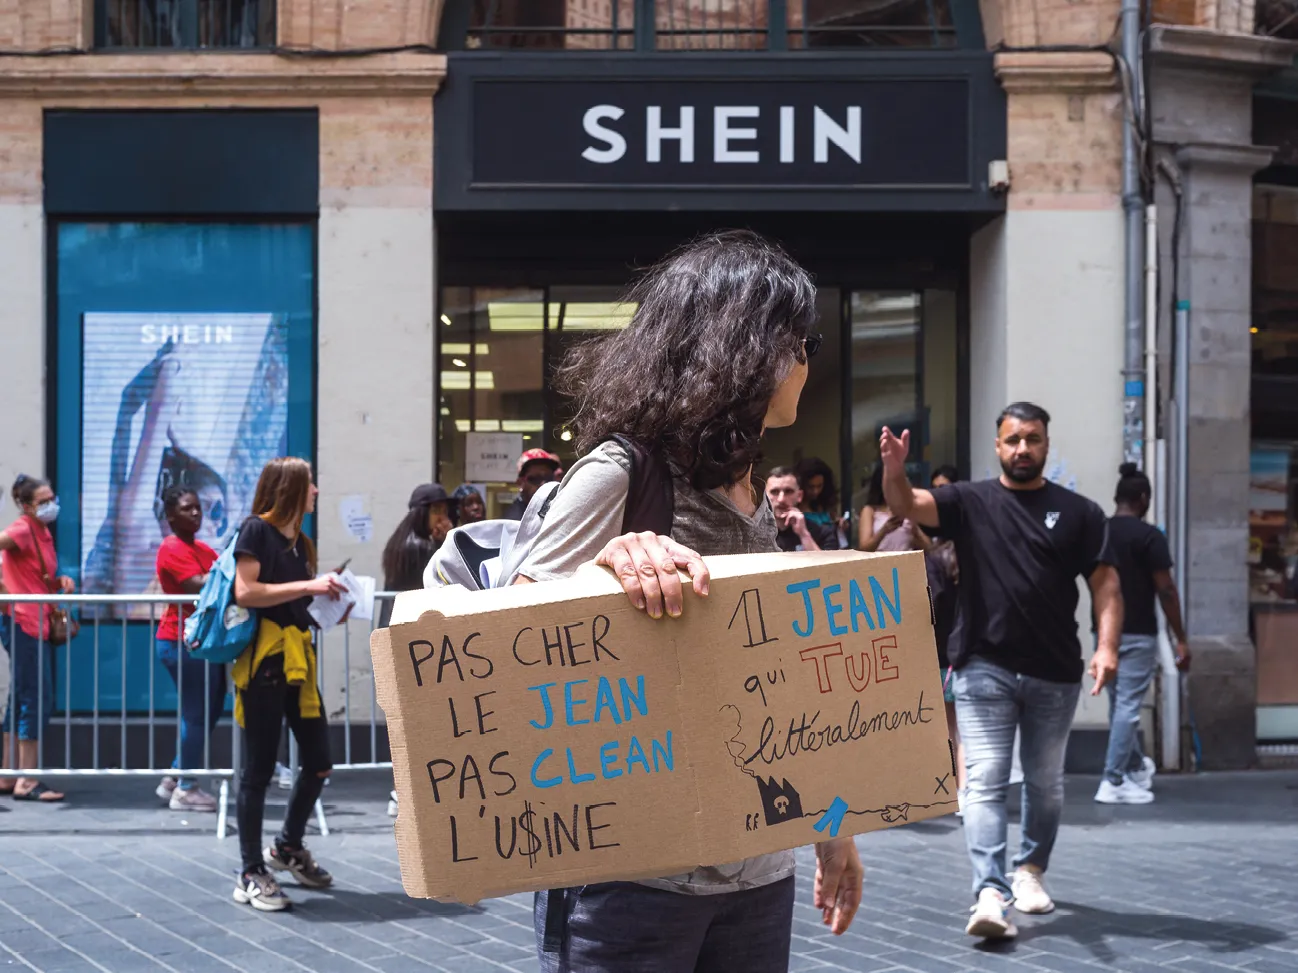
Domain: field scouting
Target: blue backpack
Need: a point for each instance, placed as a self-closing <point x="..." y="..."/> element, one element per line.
<point x="219" y="630"/>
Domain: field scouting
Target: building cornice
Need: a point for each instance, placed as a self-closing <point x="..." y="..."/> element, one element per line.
<point x="1200" y="47"/>
<point x="224" y="75"/>
<point x="1070" y="72"/>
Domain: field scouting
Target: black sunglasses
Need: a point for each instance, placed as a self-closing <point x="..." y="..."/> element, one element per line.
<point x="812" y="343"/>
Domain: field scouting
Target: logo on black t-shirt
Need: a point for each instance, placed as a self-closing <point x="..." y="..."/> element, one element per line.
<point x="1052" y="518"/>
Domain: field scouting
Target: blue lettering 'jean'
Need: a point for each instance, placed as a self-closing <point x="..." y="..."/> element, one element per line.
<point x="1137" y="657"/>
<point x="621" y="927"/>
<point x="991" y="703"/>
<point x="201" y="690"/>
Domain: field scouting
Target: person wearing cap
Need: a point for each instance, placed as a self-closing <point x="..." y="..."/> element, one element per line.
<point x="429" y="518"/>
<point x="536" y="468"/>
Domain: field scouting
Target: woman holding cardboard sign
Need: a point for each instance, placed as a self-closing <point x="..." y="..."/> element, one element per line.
<point x="670" y="416"/>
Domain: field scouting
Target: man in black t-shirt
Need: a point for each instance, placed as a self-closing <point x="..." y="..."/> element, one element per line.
<point x="796" y="532"/>
<point x="1145" y="567"/>
<point x="1022" y="543"/>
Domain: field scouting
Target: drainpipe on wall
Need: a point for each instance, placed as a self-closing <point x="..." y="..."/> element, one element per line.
<point x="1133" y="208"/>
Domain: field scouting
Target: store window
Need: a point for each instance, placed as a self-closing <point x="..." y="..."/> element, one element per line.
<point x="184" y="356"/>
<point x="497" y="345"/>
<point x="1273" y="488"/>
<point x="715" y="25"/>
<point x="189" y="24"/>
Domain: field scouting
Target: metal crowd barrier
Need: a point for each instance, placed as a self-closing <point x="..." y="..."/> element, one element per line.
<point x="115" y="649"/>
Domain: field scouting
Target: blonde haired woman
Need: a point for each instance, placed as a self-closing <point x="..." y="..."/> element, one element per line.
<point x="275" y="679"/>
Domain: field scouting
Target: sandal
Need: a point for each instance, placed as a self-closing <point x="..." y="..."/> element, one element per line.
<point x="38" y="793"/>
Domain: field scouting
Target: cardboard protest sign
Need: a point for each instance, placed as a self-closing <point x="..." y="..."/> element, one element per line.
<point x="550" y="735"/>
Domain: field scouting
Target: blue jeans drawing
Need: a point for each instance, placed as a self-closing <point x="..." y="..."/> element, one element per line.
<point x="990" y="703"/>
<point x="621" y="927"/>
<point x="1137" y="657"/>
<point x="31" y="674"/>
<point x="201" y="690"/>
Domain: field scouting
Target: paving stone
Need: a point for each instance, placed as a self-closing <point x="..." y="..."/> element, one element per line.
<point x="1202" y="881"/>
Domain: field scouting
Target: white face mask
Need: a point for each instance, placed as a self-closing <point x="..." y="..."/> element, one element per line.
<point x="48" y="512"/>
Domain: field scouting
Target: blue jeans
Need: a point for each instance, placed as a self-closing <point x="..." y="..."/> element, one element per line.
<point x="991" y="703"/>
<point x="198" y="685"/>
<point x="1137" y="657"/>
<point x="32" y="686"/>
<point x="621" y="927"/>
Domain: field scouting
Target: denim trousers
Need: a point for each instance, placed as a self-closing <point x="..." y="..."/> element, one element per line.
<point x="31" y="674"/>
<point x="200" y="689"/>
<point x="991" y="703"/>
<point x="1137" y="658"/>
<point x="622" y="927"/>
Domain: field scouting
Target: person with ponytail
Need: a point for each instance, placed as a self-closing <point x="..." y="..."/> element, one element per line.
<point x="275" y="679"/>
<point x="1144" y="570"/>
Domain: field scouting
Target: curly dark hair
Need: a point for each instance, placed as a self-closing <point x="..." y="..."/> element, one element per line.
<point x="718" y="324"/>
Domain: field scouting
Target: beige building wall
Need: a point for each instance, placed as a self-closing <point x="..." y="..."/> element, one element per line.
<point x="376" y="430"/>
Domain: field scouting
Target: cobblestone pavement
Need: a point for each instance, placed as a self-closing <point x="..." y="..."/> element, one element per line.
<point x="1204" y="881"/>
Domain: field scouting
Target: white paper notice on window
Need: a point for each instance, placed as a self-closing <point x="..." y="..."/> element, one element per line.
<point x="354" y="513"/>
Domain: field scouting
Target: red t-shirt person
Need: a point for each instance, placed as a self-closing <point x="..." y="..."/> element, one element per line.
<point x="23" y="575"/>
<point x="177" y="563"/>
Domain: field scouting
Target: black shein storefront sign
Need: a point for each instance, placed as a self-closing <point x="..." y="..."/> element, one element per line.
<point x="617" y="138"/>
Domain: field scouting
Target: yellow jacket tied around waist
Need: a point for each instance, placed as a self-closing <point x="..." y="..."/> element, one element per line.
<point x="294" y="644"/>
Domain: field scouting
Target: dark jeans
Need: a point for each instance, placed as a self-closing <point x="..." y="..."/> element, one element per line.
<point x="201" y="691"/>
<point x="267" y="702"/>
<point x="31" y="674"/>
<point x="621" y="927"/>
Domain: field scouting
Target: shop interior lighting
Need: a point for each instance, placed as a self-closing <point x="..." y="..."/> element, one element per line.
<point x="529" y="316"/>
<point x="446" y="320"/>
<point x="463" y="348"/>
<point x="458" y="381"/>
<point x="459" y="363"/>
<point x="499" y="425"/>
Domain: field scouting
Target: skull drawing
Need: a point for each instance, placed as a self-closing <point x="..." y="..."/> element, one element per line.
<point x="782" y="805"/>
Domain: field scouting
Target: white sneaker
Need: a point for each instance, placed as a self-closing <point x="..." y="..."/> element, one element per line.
<point x="283" y="777"/>
<point x="991" y="917"/>
<point x="1144" y="777"/>
<point x="1030" y="896"/>
<point x="1128" y="792"/>
<point x="194" y="799"/>
<point x="959" y="804"/>
<point x="392" y="805"/>
<point x="165" y="788"/>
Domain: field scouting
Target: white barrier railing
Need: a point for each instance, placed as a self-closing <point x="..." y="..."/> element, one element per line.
<point x="117" y="642"/>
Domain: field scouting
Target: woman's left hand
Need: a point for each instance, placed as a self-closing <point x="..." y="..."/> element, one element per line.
<point x="648" y="567"/>
<point x="67" y="585"/>
<point x="839" y="876"/>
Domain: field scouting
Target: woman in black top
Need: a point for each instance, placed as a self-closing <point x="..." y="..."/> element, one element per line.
<point x="429" y="518"/>
<point x="275" y="678"/>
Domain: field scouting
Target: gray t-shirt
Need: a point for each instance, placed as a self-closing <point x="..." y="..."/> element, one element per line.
<point x="585" y="515"/>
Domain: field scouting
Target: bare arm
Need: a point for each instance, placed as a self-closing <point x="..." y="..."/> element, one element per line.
<point x="1106" y="594"/>
<point x="194" y="585"/>
<point x="903" y="500"/>
<point x="865" y="538"/>
<point x="7" y="543"/>
<point x="1170" y="599"/>
<point x="251" y="593"/>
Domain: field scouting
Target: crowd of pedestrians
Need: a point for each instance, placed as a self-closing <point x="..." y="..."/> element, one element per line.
<point x="686" y="406"/>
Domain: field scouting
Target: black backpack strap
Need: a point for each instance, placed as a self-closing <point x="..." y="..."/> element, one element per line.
<point x="650" y="499"/>
<point x="556" y="920"/>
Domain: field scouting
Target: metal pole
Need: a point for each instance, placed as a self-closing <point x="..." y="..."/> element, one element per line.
<point x="1182" y="477"/>
<point x="1151" y="354"/>
<point x="1133" y="205"/>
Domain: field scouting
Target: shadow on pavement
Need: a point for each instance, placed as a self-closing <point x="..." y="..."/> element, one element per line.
<point x="348" y="905"/>
<point x="1090" y="927"/>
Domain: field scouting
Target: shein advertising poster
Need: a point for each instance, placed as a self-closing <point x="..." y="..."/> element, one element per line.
<point x="198" y="400"/>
